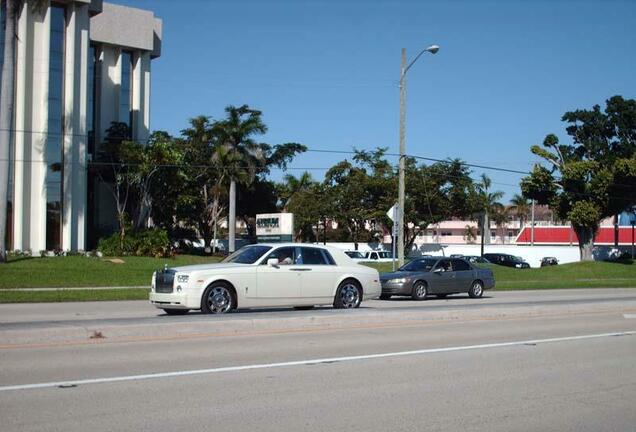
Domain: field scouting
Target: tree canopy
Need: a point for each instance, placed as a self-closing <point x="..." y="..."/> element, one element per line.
<point x="593" y="176"/>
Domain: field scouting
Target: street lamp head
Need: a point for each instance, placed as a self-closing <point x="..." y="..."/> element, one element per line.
<point x="433" y="49"/>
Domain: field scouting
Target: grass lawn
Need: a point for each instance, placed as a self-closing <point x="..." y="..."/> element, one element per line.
<point x="77" y="271"/>
<point x="135" y="271"/>
<point x="574" y="275"/>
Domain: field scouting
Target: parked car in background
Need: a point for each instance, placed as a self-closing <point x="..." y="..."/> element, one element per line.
<point x="437" y="276"/>
<point x="506" y="260"/>
<point x="266" y="275"/>
<point x="457" y="256"/>
<point x="475" y="259"/>
<point x="549" y="261"/>
<point x="379" y="256"/>
<point x="356" y="255"/>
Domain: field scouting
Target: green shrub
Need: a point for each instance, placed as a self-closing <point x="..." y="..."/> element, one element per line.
<point x="150" y="242"/>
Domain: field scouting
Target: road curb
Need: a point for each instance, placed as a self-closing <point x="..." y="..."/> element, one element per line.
<point x="76" y="288"/>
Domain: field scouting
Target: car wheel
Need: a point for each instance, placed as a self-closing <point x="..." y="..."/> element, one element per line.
<point x="176" y="311"/>
<point x="441" y="295"/>
<point x="476" y="290"/>
<point x="348" y="296"/>
<point x="218" y="299"/>
<point x="385" y="297"/>
<point x="420" y="290"/>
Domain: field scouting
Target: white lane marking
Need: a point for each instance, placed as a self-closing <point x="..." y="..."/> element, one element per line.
<point x="306" y="362"/>
<point x="630" y="316"/>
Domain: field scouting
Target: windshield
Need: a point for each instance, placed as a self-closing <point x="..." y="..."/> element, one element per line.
<point x="384" y="254"/>
<point x="247" y="254"/>
<point x="420" y="265"/>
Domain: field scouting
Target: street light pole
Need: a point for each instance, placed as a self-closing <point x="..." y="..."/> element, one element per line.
<point x="401" y="187"/>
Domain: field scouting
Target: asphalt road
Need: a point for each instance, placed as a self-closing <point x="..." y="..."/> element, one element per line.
<point x="571" y="371"/>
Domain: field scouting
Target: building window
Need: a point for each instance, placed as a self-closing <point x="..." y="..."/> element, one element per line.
<point x="91" y="92"/>
<point x="54" y="139"/>
<point x="125" y="97"/>
<point x="447" y="233"/>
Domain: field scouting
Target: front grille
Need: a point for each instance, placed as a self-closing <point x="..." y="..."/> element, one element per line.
<point x="163" y="281"/>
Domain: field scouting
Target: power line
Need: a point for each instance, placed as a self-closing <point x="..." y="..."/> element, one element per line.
<point x="309" y="150"/>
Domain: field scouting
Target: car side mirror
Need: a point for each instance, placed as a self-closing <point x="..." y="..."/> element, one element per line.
<point x="438" y="270"/>
<point x="272" y="262"/>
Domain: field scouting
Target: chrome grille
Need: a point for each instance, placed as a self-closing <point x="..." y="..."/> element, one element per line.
<point x="164" y="280"/>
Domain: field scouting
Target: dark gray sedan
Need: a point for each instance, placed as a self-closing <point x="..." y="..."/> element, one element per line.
<point x="438" y="276"/>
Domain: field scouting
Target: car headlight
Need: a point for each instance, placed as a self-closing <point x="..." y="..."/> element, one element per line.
<point x="183" y="278"/>
<point x="398" y="281"/>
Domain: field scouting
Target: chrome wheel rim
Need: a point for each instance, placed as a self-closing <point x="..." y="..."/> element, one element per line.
<point x="349" y="296"/>
<point x="420" y="290"/>
<point x="219" y="300"/>
<point x="477" y="289"/>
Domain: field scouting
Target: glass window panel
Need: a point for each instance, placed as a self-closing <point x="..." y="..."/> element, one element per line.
<point x="125" y="96"/>
<point x="310" y="256"/>
<point x="53" y="149"/>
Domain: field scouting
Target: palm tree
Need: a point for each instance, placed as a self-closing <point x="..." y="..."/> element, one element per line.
<point x="499" y="215"/>
<point x="470" y="233"/>
<point x="293" y="186"/>
<point x="10" y="11"/>
<point x="235" y="133"/>
<point x="520" y="205"/>
<point x="489" y="203"/>
<point x="227" y="165"/>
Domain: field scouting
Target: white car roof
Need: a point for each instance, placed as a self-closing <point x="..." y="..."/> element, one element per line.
<point x="338" y="255"/>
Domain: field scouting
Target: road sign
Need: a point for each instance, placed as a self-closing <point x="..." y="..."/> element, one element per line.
<point x="393" y="212"/>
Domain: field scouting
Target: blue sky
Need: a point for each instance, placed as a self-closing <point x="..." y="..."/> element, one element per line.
<point x="325" y="73"/>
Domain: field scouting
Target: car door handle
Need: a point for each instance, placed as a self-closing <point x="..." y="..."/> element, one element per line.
<point x="300" y="269"/>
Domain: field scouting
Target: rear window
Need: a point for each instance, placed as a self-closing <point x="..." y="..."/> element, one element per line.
<point x="311" y="256"/>
<point x="460" y="265"/>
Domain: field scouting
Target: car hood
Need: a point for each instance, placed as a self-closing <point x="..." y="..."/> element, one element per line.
<point x="208" y="267"/>
<point x="396" y="275"/>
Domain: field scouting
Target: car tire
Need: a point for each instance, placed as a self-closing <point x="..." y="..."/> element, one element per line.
<point x="476" y="290"/>
<point x="348" y="295"/>
<point x="420" y="291"/>
<point x="218" y="298"/>
<point x="176" y="311"/>
<point x="385" y="296"/>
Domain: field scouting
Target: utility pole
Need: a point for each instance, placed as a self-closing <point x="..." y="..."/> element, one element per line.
<point x="401" y="187"/>
<point x="483" y="230"/>
<point x="532" y="226"/>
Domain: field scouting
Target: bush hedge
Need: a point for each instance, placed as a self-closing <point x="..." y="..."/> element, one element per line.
<point x="147" y="242"/>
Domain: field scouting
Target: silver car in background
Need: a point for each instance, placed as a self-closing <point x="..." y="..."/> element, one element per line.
<point x="437" y="276"/>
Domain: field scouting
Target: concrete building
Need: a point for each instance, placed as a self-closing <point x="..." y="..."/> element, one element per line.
<point x="80" y="65"/>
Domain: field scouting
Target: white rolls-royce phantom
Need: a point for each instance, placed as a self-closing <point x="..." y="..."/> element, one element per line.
<point x="266" y="275"/>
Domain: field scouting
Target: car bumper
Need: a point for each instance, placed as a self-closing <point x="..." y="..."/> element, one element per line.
<point x="389" y="288"/>
<point x="174" y="300"/>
